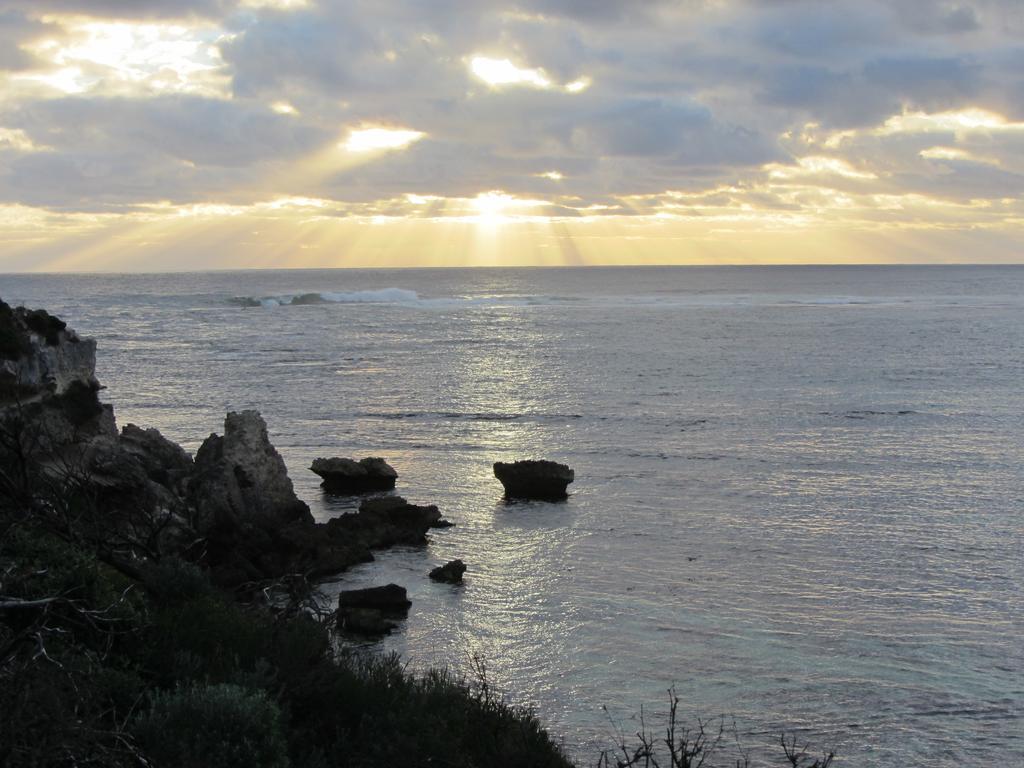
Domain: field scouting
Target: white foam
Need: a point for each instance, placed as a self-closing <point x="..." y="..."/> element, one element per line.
<point x="381" y="296"/>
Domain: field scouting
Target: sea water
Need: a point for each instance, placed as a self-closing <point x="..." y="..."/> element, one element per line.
<point x="799" y="495"/>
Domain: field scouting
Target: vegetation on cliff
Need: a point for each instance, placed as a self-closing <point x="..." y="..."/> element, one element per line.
<point x="97" y="668"/>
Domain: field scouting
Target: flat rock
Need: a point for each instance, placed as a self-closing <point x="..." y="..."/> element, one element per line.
<point x="390" y="597"/>
<point x="451" y="572"/>
<point x="347" y="476"/>
<point x="534" y="479"/>
<point x="386" y="521"/>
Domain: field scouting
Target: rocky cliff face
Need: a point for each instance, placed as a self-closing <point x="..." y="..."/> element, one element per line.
<point x="48" y="377"/>
<point x="41" y="356"/>
<point x="138" y="494"/>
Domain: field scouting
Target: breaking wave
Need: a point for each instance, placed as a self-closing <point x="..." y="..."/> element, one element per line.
<point x="381" y="296"/>
<point x="409" y="298"/>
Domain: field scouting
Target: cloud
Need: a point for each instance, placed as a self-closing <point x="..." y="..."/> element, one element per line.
<point x="928" y="83"/>
<point x="594" y="107"/>
<point x="119" y="9"/>
<point x="108" y="152"/>
<point x="17" y="29"/>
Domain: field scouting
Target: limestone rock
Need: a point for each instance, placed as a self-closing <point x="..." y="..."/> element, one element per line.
<point x="240" y="479"/>
<point x="48" y="387"/>
<point x="344" y="476"/>
<point x="40" y="355"/>
<point x="534" y="479"/>
<point x="372" y="611"/>
<point x="451" y="572"/>
<point x="365" y="621"/>
<point x="390" y="597"/>
<point x="165" y="462"/>
<point x="387" y="521"/>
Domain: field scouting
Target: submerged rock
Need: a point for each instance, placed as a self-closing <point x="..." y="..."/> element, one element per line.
<point x="534" y="479"/>
<point x="344" y="476"/>
<point x="451" y="572"/>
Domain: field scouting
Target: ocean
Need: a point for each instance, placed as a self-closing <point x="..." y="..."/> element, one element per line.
<point x="799" y="493"/>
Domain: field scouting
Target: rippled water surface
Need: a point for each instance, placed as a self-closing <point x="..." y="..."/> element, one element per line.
<point x="799" y="495"/>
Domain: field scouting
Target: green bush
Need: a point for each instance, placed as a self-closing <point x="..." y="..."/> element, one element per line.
<point x="173" y="581"/>
<point x="214" y="725"/>
<point x="66" y="675"/>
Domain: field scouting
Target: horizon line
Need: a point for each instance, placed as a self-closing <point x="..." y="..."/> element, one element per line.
<point x="552" y="267"/>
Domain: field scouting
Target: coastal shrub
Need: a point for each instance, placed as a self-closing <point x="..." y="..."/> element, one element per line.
<point x="214" y="725"/>
<point x="80" y="403"/>
<point x="89" y="601"/>
<point x="46" y="325"/>
<point x="212" y="639"/>
<point x="67" y="680"/>
<point x="215" y="672"/>
<point x="369" y="710"/>
<point x="174" y="581"/>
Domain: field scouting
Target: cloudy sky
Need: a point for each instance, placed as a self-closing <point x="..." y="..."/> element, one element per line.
<point x="187" y="134"/>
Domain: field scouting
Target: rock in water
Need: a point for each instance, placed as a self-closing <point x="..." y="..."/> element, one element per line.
<point x="451" y="572"/>
<point x="386" y="521"/>
<point x="372" y="611"/>
<point x="390" y="597"/>
<point x="365" y="621"/>
<point x="240" y="480"/>
<point x="348" y="476"/>
<point x="534" y="479"/>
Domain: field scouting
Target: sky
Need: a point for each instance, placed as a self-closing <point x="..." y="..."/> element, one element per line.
<point x="155" y="135"/>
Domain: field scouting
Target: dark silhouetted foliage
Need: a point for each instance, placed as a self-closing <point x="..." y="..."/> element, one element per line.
<point x="13" y="339"/>
<point x="46" y="325"/>
<point x="206" y="725"/>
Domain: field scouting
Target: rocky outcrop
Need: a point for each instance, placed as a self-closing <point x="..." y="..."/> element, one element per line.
<point x="48" y="386"/>
<point x="133" y="495"/>
<point x="372" y="611"/>
<point x="534" y="479"/>
<point x="346" y="476"/>
<point x="451" y="572"/>
<point x="254" y="526"/>
<point x="233" y="508"/>
<point x="387" y="521"/>
<point x="240" y="480"/>
<point x="390" y="597"/>
<point x="165" y="462"/>
<point x="40" y="355"/>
